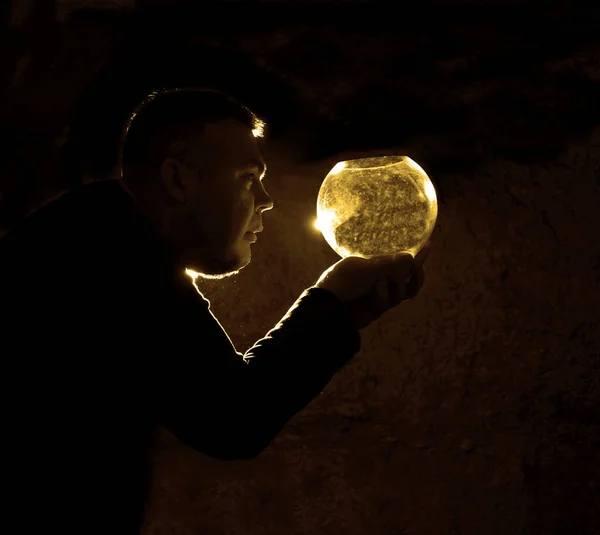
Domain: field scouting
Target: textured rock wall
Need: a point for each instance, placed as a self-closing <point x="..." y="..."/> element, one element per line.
<point x="475" y="408"/>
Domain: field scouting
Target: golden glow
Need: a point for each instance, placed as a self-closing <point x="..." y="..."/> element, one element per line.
<point x="429" y="191"/>
<point x="344" y="252"/>
<point x="192" y="274"/>
<point x="376" y="206"/>
<point x="338" y="168"/>
<point x="411" y="163"/>
<point x="259" y="128"/>
<point x="195" y="275"/>
<point x="326" y="221"/>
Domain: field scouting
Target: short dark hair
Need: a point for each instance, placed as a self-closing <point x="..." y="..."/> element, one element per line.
<point x="164" y="123"/>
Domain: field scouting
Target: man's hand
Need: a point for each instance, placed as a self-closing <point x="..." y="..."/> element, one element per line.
<point x="370" y="287"/>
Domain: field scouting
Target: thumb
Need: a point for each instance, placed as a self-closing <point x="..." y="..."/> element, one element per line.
<point x="401" y="265"/>
<point x="385" y="264"/>
<point x="422" y="255"/>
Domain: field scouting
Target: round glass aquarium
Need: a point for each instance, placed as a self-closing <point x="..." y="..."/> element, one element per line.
<point x="376" y="206"/>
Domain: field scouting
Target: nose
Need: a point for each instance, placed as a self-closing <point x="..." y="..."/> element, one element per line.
<point x="263" y="200"/>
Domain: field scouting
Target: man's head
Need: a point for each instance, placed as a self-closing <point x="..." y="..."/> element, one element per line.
<point x="191" y="159"/>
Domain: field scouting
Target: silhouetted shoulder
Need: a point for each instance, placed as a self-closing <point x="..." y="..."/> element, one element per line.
<point x="81" y="229"/>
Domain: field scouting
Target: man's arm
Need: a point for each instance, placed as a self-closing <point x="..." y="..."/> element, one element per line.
<point x="231" y="406"/>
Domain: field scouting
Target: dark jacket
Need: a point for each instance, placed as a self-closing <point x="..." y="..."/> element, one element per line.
<point x="101" y="341"/>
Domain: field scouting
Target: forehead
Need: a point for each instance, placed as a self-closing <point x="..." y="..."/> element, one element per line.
<point x="228" y="141"/>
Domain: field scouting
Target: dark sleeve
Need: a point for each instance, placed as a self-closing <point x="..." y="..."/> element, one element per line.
<point x="230" y="405"/>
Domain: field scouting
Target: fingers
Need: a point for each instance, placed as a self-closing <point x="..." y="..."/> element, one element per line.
<point x="418" y="259"/>
<point x="382" y="295"/>
<point x="400" y="266"/>
<point x="407" y="266"/>
<point x="396" y="291"/>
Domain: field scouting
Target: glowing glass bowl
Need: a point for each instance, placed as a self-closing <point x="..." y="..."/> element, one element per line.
<point x="376" y="206"/>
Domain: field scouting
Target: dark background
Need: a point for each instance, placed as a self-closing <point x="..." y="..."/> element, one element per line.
<point x="474" y="409"/>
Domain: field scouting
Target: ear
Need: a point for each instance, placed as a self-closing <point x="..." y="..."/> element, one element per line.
<point x="171" y="177"/>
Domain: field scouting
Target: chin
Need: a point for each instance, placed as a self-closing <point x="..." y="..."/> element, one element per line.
<point x="217" y="266"/>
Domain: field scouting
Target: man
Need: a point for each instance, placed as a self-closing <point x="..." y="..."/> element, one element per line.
<point x="105" y="336"/>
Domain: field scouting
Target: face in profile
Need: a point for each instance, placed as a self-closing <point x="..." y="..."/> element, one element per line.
<point x="217" y="198"/>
